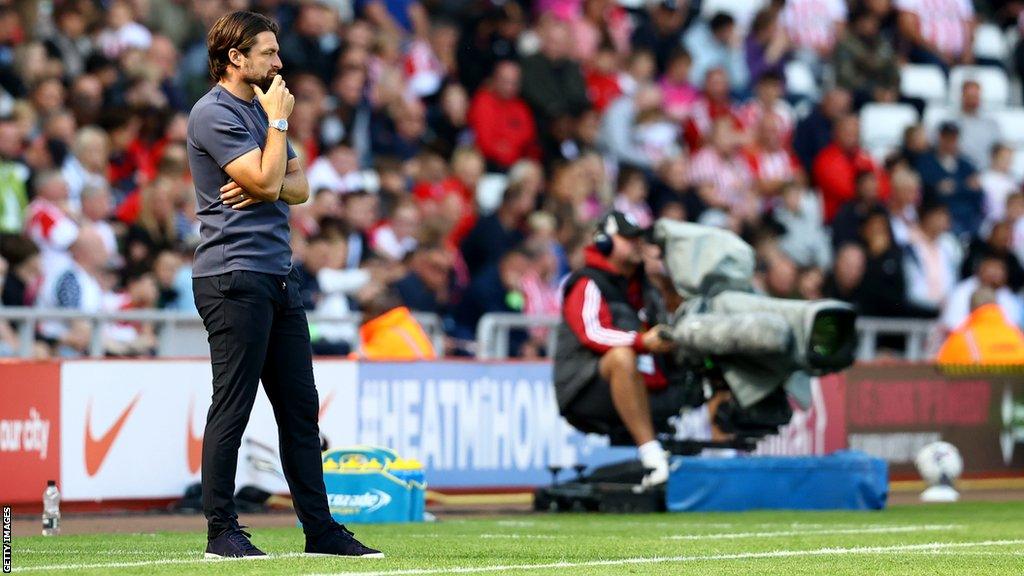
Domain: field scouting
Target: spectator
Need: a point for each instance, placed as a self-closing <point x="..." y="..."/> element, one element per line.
<point x="498" y="288"/>
<point x="904" y="199"/>
<point x="933" y="259"/>
<point x="998" y="244"/>
<point x="311" y="44"/>
<point x="14" y="177"/>
<point x="360" y="212"/>
<point x="938" y="32"/>
<point x="349" y="122"/>
<point x="987" y="338"/>
<point x="49" y="223"/>
<point x="631" y="198"/>
<point x="979" y="132"/>
<point x="553" y="84"/>
<point x="448" y="124"/>
<point x="768" y="101"/>
<point x="716" y="44"/>
<point x="427" y="285"/>
<point x="814" y="27"/>
<point x="884" y="289"/>
<point x="814" y="133"/>
<point x="771" y="163"/>
<point x="836" y="167"/>
<point x="847" y="276"/>
<point x="396" y="236"/>
<point x="155" y="230"/>
<point x="949" y="177"/>
<point x="502" y="121"/>
<point x="865" y="62"/>
<point x="659" y="32"/>
<point x="766" y="46"/>
<point x="96" y="212"/>
<point x="74" y="285"/>
<point x="998" y="182"/>
<point x="618" y="132"/>
<point x="24" y="270"/>
<point x="804" y="240"/>
<point x="88" y="163"/>
<point x="678" y="93"/>
<point x="132" y="338"/>
<point x="122" y="32"/>
<point x="69" y="40"/>
<point x="715" y="103"/>
<point x="722" y="175"/>
<point x="602" y="77"/>
<point x="990" y="273"/>
<point x="496" y="234"/>
<point x="851" y="215"/>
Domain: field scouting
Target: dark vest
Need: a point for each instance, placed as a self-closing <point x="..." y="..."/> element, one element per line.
<point x="576" y="366"/>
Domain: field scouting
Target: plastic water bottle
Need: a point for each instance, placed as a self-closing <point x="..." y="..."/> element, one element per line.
<point x="51" y="509"/>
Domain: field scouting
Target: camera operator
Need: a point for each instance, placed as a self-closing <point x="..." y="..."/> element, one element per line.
<point x="610" y="355"/>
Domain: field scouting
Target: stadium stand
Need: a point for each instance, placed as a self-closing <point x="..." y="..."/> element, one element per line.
<point x="395" y="123"/>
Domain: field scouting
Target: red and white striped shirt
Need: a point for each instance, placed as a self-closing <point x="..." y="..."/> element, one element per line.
<point x="943" y="22"/>
<point x="751" y="113"/>
<point x="776" y="166"/>
<point x="730" y="177"/>
<point x="812" y="23"/>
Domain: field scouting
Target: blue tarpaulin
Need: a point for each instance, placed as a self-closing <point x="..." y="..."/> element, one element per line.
<point x="845" y="480"/>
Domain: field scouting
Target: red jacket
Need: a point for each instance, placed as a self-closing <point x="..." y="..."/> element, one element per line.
<point x="586" y="312"/>
<point x="504" y="129"/>
<point x="835" y="174"/>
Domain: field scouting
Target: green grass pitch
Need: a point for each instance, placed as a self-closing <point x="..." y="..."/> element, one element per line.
<point x="960" y="539"/>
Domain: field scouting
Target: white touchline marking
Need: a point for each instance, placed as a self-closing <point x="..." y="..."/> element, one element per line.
<point x="937" y="546"/>
<point x="166" y="562"/>
<point x="865" y="530"/>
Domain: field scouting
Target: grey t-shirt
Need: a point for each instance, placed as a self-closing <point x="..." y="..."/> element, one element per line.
<point x="222" y="127"/>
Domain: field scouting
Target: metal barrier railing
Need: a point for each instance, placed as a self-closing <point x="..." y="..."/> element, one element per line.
<point x="178" y="333"/>
<point x="492" y="334"/>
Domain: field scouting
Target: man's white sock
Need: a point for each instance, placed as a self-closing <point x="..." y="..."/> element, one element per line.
<point x="652" y="455"/>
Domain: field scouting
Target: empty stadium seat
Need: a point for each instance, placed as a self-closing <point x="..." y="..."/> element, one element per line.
<point x="1011" y="125"/>
<point x="925" y="81"/>
<point x="995" y="86"/>
<point x="1018" y="164"/>
<point x="882" y="125"/>
<point x="934" y="114"/>
<point x="800" y="80"/>
<point x="742" y="10"/>
<point x="989" y="42"/>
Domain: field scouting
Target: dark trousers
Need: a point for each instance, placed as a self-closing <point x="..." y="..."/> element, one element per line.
<point x="258" y="331"/>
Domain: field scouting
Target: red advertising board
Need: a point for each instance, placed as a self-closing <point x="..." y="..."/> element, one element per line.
<point x="29" y="429"/>
<point x="891" y="411"/>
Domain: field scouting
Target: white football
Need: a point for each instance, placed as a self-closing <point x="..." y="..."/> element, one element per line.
<point x="937" y="461"/>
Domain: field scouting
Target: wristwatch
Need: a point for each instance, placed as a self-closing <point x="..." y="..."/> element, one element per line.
<point x="281" y="125"/>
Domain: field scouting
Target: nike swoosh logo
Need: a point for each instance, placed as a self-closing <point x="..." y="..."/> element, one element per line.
<point x="324" y="405"/>
<point x="194" y="443"/>
<point x="96" y="450"/>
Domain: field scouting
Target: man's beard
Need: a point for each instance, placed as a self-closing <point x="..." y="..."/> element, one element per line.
<point x="263" y="82"/>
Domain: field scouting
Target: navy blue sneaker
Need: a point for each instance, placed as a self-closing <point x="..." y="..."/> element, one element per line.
<point x="339" y="541"/>
<point x="233" y="543"/>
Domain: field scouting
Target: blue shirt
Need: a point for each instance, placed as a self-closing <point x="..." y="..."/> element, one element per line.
<point x="222" y="127"/>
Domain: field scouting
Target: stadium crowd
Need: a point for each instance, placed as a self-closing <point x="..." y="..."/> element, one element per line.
<point x="458" y="153"/>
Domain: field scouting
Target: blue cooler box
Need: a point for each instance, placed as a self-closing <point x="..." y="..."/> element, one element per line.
<point x="373" y="485"/>
<point x="841" y="481"/>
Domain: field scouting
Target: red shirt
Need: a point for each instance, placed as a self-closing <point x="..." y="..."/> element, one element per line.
<point x="602" y="88"/>
<point x="504" y="129"/>
<point x="835" y="174"/>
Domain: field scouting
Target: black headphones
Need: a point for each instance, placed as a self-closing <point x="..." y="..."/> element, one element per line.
<point x="602" y="239"/>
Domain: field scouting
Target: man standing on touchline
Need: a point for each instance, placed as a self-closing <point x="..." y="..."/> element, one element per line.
<point x="246" y="175"/>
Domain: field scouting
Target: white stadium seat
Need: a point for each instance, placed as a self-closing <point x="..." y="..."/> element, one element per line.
<point x="925" y="81"/>
<point x="800" y="80"/>
<point x="995" y="86"/>
<point x="882" y="125"/>
<point x="1018" y="164"/>
<point x="989" y="42"/>
<point x="934" y="114"/>
<point x="1011" y="125"/>
<point x="742" y="10"/>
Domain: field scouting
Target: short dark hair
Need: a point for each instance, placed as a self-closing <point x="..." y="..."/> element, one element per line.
<point x="235" y="30"/>
<point x="721" y="20"/>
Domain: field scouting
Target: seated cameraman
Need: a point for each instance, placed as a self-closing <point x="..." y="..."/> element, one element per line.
<point x="608" y="373"/>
